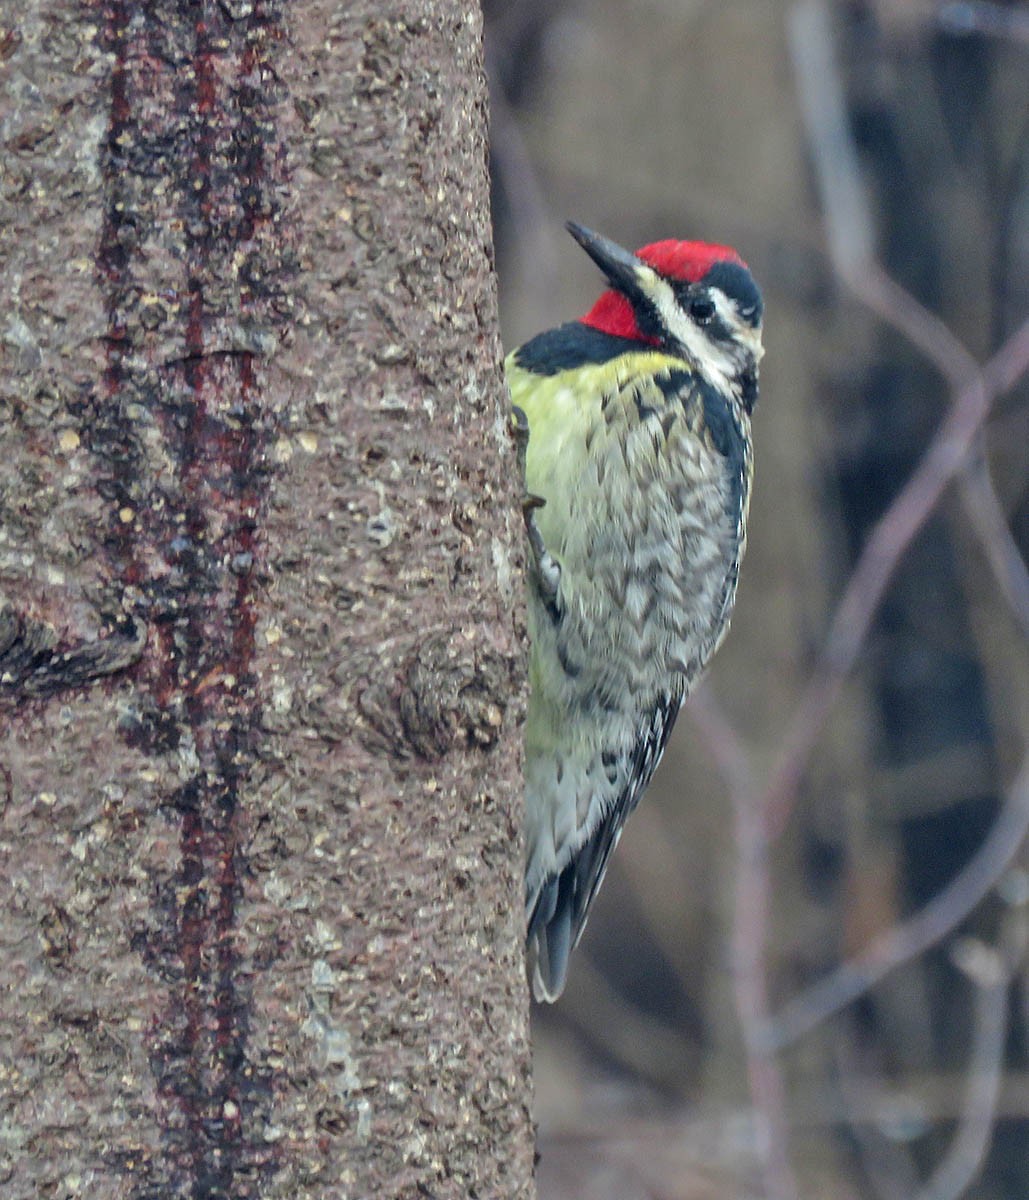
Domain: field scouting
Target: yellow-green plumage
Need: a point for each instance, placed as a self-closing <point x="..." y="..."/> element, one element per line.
<point x="643" y="466"/>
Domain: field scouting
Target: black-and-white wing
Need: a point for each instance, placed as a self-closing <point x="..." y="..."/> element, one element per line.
<point x="562" y="904"/>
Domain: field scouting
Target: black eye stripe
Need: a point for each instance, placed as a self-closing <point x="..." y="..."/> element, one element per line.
<point x="718" y="329"/>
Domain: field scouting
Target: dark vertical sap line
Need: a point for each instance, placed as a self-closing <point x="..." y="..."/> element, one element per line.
<point x="188" y="108"/>
<point x="113" y="261"/>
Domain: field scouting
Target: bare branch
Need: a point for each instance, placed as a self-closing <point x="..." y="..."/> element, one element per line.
<point x="722" y="740"/>
<point x="760" y="813"/>
<point x="848" y="219"/>
<point x="988" y="519"/>
<point x="848" y="226"/>
<point x="980" y="16"/>
<point x="872" y="1113"/>
<point x="750" y="982"/>
<point x="750" y="940"/>
<point x="906" y="941"/>
<point x="991" y="976"/>
<point x="881" y="556"/>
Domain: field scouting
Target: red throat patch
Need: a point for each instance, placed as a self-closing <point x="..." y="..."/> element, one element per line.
<point x="613" y="314"/>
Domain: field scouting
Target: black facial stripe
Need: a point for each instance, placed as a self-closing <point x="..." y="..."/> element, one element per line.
<point x="727" y="437"/>
<point x="647" y="319"/>
<point x="717" y="330"/>
<point x="748" y="390"/>
<point x="569" y="346"/>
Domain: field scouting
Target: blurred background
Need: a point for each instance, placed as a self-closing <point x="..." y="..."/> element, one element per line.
<point x="740" y="884"/>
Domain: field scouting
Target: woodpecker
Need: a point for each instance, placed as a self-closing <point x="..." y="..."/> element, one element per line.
<point x="633" y="429"/>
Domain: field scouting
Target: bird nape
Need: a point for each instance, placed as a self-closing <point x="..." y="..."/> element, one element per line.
<point x="633" y="426"/>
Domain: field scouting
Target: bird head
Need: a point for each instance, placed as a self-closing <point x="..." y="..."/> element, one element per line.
<point x="693" y="299"/>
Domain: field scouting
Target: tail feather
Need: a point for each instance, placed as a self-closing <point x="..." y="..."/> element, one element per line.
<point x="553" y="929"/>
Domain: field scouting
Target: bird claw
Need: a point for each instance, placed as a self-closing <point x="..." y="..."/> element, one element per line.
<point x="520" y="433"/>
<point x="547" y="570"/>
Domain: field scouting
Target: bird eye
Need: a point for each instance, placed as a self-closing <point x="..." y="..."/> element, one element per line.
<point x="702" y="309"/>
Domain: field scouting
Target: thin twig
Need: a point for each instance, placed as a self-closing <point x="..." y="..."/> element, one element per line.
<point x="849" y="230"/>
<point x="750" y="941"/>
<point x="848" y="218"/>
<point x="906" y="941"/>
<point x="722" y="741"/>
<point x="760" y="813"/>
<point x="880" y="558"/>
<point x="978" y="16"/>
<point x="984" y="509"/>
<point x="750" y="984"/>
<point x="870" y="1113"/>
<point x="964" y="1159"/>
<point x="990" y="970"/>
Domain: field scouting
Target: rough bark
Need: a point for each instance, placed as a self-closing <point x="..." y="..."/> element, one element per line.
<point x="260" y="641"/>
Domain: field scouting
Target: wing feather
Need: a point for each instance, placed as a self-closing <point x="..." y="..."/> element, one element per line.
<point x="561" y="906"/>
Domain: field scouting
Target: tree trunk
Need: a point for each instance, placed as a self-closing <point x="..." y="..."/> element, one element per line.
<point x="260" y="624"/>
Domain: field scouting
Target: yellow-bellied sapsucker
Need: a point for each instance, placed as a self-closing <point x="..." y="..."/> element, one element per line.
<point x="634" y="424"/>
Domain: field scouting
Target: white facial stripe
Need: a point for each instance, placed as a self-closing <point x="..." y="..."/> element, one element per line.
<point x="724" y="307"/>
<point x="713" y="359"/>
<point x="744" y="333"/>
<point x="751" y="338"/>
